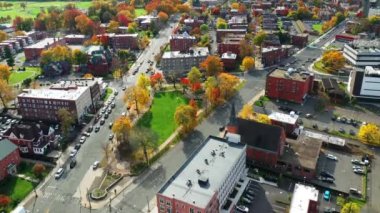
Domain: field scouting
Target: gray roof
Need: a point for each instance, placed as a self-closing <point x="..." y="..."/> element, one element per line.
<point x="216" y="171"/>
<point x="6" y="147"/>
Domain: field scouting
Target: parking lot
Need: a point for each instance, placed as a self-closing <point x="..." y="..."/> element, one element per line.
<point x="341" y="169"/>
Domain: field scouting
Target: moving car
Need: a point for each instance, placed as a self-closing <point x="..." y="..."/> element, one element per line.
<point x="242" y="208"/>
<point x="90" y="129"/>
<point x="359" y="171"/>
<point x="73" y="163"/>
<point x="95" y="165"/>
<point x="58" y="174"/>
<point x="327" y="195"/>
<point x="73" y="153"/>
<point x="97" y="128"/>
<point x="77" y="146"/>
<point x="102" y="121"/>
<point x="308" y="115"/>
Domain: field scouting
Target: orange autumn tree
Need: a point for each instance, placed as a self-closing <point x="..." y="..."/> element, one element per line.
<point x="163" y="16"/>
<point x="333" y="60"/>
<point x="213" y="65"/>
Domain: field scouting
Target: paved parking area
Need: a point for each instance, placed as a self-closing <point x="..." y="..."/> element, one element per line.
<point x="341" y="169"/>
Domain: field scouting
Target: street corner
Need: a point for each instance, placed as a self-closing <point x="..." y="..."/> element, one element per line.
<point x="87" y="182"/>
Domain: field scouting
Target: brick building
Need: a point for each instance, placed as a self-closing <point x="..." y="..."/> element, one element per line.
<point x="32" y="138"/>
<point x="286" y="121"/>
<point x="9" y="158"/>
<point x="79" y="97"/>
<point x="220" y="33"/>
<point x="299" y="40"/>
<point x="289" y="85"/>
<point x="282" y="11"/>
<point x="124" y="41"/>
<point x="273" y="55"/>
<point x="182" y="42"/>
<point x="73" y="39"/>
<point x="33" y="52"/>
<point x="204" y="182"/>
<point x="229" y="60"/>
<point x="230" y="43"/>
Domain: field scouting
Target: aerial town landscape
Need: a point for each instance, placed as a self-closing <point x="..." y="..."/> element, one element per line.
<point x="190" y="106"/>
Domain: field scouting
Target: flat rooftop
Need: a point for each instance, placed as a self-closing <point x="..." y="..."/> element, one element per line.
<point x="43" y="43"/>
<point x="326" y="138"/>
<point x="301" y="198"/>
<point x="229" y="55"/>
<point x="290" y="74"/>
<point x="303" y="152"/>
<point x="218" y="168"/>
<point x="80" y="82"/>
<point x="72" y="93"/>
<point x="365" y="46"/>
<point x="75" y="36"/>
<point x="182" y="36"/>
<point x="193" y="52"/>
<point x="284" y="118"/>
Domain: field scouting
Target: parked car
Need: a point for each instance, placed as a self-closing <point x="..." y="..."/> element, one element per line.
<point x="242" y="208"/>
<point x="82" y="139"/>
<point x="113" y="105"/>
<point x="352" y="132"/>
<point x="77" y="146"/>
<point x="357" y="167"/>
<point x="123" y="88"/>
<point x="90" y="129"/>
<point x="85" y="134"/>
<point x="73" y="153"/>
<point x="327" y="195"/>
<point x="58" y="174"/>
<point x="95" y="165"/>
<point x="110" y="125"/>
<point x="315" y="126"/>
<point x="331" y="157"/>
<point x="308" y="115"/>
<point x="326" y="179"/>
<point x="106" y="116"/>
<point x="359" y="171"/>
<point x="73" y="163"/>
<point x="116" y="92"/>
<point x="110" y="137"/>
<point x="97" y="128"/>
<point x="102" y="121"/>
<point x="357" y="162"/>
<point x="327" y="174"/>
<point x="341" y="130"/>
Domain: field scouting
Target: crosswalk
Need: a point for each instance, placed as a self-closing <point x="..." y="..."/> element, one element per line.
<point x="53" y="196"/>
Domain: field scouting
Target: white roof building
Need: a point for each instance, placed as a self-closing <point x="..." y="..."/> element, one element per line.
<point x="302" y="197"/>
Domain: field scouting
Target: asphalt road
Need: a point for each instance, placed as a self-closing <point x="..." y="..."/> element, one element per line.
<point x="136" y="197"/>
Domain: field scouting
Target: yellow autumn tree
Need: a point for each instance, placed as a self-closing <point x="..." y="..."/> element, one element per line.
<point x="88" y="76"/>
<point x="143" y="81"/>
<point x="369" y="133"/>
<point x="136" y="95"/>
<point x="121" y="127"/>
<point x="248" y="63"/>
<point x="246" y="112"/>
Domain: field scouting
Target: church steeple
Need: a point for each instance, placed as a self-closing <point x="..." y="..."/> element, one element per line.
<point x="232" y="125"/>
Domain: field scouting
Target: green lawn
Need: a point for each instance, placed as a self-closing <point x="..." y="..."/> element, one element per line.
<point x="318" y="28"/>
<point x="33" y="8"/>
<point x="16" y="188"/>
<point x="320" y="67"/>
<point x="160" y="118"/>
<point x="18" y="77"/>
<point x="140" y="12"/>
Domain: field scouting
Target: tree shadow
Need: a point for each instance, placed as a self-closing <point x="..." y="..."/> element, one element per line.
<point x="192" y="141"/>
<point x="146" y="120"/>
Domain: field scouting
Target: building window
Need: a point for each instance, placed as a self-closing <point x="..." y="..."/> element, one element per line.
<point x="168" y="203"/>
<point x="161" y="200"/>
<point x="191" y="210"/>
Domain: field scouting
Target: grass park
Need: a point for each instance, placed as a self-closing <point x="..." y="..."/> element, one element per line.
<point x="160" y="118"/>
<point x="33" y="8"/>
<point x="318" y="28"/>
<point x="16" y="188"/>
<point x="17" y="77"/>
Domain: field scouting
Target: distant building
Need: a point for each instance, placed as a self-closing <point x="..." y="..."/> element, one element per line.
<point x="75" y="39"/>
<point x="299" y="40"/>
<point x="33" y="52"/>
<point x="100" y="60"/>
<point x="238" y="22"/>
<point x="146" y="21"/>
<point x="364" y="83"/>
<point x="182" y="62"/>
<point x="301" y="27"/>
<point x="43" y="104"/>
<point x="282" y="11"/>
<point x="230" y="43"/>
<point x="331" y="87"/>
<point x="304" y="199"/>
<point x="32" y="138"/>
<point x="229" y="60"/>
<point x="220" y="33"/>
<point x="205" y="180"/>
<point x="9" y="158"/>
<point x="274" y="55"/>
<point x="344" y="37"/>
<point x="289" y="85"/>
<point x="182" y="42"/>
<point x="363" y="53"/>
<point x="121" y="41"/>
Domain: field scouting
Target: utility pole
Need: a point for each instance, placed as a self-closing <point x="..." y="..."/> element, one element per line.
<point x="110" y="206"/>
<point x="89" y="199"/>
<point x="147" y="200"/>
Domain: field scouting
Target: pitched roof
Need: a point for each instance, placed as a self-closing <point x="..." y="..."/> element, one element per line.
<point x="28" y="131"/>
<point x="6" y="147"/>
<point x="259" y="135"/>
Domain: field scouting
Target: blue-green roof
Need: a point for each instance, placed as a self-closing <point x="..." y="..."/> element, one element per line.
<point x="6" y="147"/>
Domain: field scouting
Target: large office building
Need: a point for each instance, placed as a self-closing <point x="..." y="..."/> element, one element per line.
<point x="205" y="180"/>
<point x="364" y="83"/>
<point x="363" y="53"/>
<point x="77" y="96"/>
<point x="305" y="199"/>
<point x="183" y="61"/>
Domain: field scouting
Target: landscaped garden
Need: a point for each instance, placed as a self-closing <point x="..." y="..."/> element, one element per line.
<point x="160" y="118"/>
<point x="320" y="67"/>
<point x="33" y="8"/>
<point x="17" y="77"/>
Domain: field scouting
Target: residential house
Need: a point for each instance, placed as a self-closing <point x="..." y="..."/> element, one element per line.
<point x="9" y="158"/>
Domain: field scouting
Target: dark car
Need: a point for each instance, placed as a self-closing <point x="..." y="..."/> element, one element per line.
<point x="326" y="174"/>
<point x="73" y="163"/>
<point x="90" y="129"/>
<point x="97" y="128"/>
<point x="327" y="179"/>
<point x="315" y="126"/>
<point x="102" y="121"/>
<point x="77" y="146"/>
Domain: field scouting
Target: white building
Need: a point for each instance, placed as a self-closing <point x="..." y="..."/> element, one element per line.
<point x="205" y="180"/>
<point x="304" y="200"/>
<point x="364" y="83"/>
<point x="183" y="62"/>
<point x="363" y="53"/>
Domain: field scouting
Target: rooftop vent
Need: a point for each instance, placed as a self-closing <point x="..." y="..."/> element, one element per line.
<point x="206" y="161"/>
<point x="203" y="181"/>
<point x="213" y="153"/>
<point x="198" y="171"/>
<point x="222" y="154"/>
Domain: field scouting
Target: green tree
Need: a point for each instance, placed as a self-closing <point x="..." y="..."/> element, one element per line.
<point x="350" y="208"/>
<point x="194" y="75"/>
<point x="259" y="38"/>
<point x="204" y="28"/>
<point x="9" y="57"/>
<point x="145" y="139"/>
<point x="66" y="120"/>
<point x="79" y="57"/>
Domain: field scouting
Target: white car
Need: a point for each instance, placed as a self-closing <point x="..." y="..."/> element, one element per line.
<point x="59" y="173"/>
<point x="242" y="208"/>
<point x="331" y="157"/>
<point x="73" y="153"/>
<point x="95" y="165"/>
<point x="82" y="139"/>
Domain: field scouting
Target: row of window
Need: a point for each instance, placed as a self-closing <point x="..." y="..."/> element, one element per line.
<point x="38" y="101"/>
